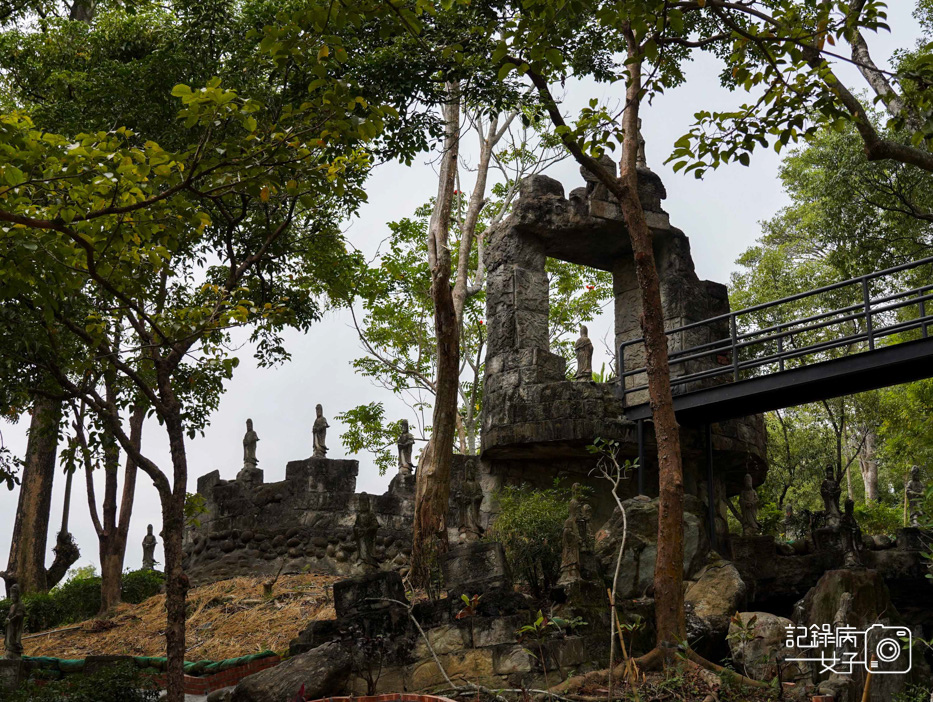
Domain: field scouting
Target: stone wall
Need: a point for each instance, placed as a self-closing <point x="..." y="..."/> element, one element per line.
<point x="482" y="648"/>
<point x="305" y="522"/>
<point x="302" y="523"/>
<point x="536" y="423"/>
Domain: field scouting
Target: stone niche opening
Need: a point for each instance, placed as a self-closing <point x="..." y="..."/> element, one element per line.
<point x="536" y="422"/>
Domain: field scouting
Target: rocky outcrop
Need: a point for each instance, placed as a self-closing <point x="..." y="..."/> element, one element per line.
<point x="323" y="672"/>
<point x="754" y="642"/>
<point x="717" y="594"/>
<point x="388" y="653"/>
<point x="860" y="598"/>
<point x="636" y="576"/>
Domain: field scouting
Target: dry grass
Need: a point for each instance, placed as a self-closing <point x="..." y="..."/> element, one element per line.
<point x="225" y="619"/>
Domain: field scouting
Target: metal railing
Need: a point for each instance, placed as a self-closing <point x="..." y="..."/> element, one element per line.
<point x="746" y="350"/>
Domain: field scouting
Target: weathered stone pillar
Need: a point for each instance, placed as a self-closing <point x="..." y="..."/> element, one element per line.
<point x="517" y="312"/>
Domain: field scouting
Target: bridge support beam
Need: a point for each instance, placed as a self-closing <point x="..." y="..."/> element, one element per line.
<point x="641" y="456"/>
<point x="710" y="489"/>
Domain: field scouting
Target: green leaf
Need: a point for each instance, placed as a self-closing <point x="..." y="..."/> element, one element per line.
<point x="13" y="176"/>
<point x="504" y="71"/>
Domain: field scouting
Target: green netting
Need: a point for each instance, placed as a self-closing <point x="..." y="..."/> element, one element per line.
<point x="71" y="665"/>
<point x="157" y="663"/>
<point x="45" y="662"/>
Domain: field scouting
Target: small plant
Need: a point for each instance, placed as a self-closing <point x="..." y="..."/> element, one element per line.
<point x="195" y="507"/>
<point x="541" y="629"/>
<point x="118" y="683"/>
<point x="470" y="607"/>
<point x="915" y="693"/>
<point x="743" y="633"/>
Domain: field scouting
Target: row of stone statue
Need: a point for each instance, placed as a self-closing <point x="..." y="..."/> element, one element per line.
<point x="318" y="432"/>
<point x="841" y="522"/>
<point x="468" y="497"/>
<point x="319" y="435"/>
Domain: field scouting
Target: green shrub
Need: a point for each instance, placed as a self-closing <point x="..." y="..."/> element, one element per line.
<point x="139" y="585"/>
<point x="529" y="526"/>
<point x="877" y="519"/>
<point x="119" y="683"/>
<point x="78" y="598"/>
<point x="771" y="519"/>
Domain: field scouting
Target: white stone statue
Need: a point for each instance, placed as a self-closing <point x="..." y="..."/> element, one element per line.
<point x="320" y="433"/>
<point x="250" y="439"/>
<point x="584" y="351"/>
<point x="405" y="443"/>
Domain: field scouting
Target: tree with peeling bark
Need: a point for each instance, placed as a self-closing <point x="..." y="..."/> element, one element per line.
<point x="432" y="486"/>
<point x="29" y="539"/>
<point x="452" y="208"/>
<point x="396" y="326"/>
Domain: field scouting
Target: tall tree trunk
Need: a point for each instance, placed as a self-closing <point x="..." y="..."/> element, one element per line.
<point x="113" y="536"/>
<point x="869" y="467"/>
<point x="173" y="526"/>
<point x="432" y="493"/>
<point x="668" y="572"/>
<point x="176" y="591"/>
<point x="31" y="527"/>
<point x="668" y="578"/>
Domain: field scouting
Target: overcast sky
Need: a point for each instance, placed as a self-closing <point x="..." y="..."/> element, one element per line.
<point x="720" y="214"/>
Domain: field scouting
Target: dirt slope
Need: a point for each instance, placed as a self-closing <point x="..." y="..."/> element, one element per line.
<point x="226" y="619"/>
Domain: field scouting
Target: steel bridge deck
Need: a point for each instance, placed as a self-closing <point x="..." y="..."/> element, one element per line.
<point x="869" y="370"/>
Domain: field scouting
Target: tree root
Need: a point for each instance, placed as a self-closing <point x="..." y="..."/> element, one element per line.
<point x="695" y="659"/>
<point x="653" y="661"/>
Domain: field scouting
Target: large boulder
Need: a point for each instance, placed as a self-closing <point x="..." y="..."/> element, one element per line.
<point x="717" y="594"/>
<point x="636" y="576"/>
<point x="755" y="640"/>
<point x="323" y="671"/>
<point x="860" y="598"/>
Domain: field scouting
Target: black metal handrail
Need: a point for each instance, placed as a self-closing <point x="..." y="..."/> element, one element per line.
<point x="866" y="316"/>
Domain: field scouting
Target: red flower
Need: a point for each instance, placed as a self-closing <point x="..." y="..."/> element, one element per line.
<point x="590" y="287"/>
